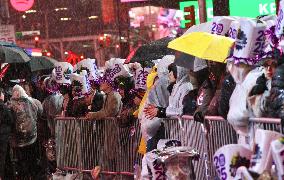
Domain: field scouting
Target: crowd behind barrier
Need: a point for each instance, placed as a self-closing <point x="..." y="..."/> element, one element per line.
<point x="82" y="145"/>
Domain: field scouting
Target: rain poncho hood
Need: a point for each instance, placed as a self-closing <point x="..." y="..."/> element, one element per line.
<point x="162" y="67"/>
<point x="159" y="94"/>
<point x="180" y="90"/>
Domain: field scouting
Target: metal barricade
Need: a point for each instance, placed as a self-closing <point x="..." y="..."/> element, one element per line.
<point x="272" y="124"/>
<point x="195" y="135"/>
<point x="221" y="133"/>
<point x="82" y="145"/>
<point x="190" y="133"/>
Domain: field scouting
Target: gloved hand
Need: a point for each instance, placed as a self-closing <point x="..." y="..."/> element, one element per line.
<point x="260" y="86"/>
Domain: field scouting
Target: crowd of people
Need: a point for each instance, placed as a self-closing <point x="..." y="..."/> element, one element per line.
<point x="170" y="90"/>
<point x="236" y="90"/>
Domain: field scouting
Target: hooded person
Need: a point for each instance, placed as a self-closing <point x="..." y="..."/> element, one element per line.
<point x="52" y="104"/>
<point x="24" y="136"/>
<point x="152" y="128"/>
<point x="209" y="92"/>
<point x="245" y="56"/>
<point x="181" y="88"/>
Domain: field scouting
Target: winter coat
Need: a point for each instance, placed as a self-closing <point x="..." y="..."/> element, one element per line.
<point x="227" y="89"/>
<point x="97" y="102"/>
<point x="189" y="102"/>
<point x="26" y="112"/>
<point x="111" y="107"/>
<point x="77" y="107"/>
<point x="52" y="106"/>
<point x="275" y="101"/>
<point x="6" y="124"/>
<point x="214" y="104"/>
<point x="180" y="90"/>
<point x="257" y="101"/>
<point x="239" y="113"/>
<point x="205" y="95"/>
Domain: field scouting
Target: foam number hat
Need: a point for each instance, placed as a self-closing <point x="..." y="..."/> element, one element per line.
<point x="204" y="45"/>
<point x="90" y="66"/>
<point x="140" y="78"/>
<point x="279" y="29"/>
<point x="277" y="148"/>
<point x="250" y="42"/>
<point x="233" y="31"/>
<point x="62" y="73"/>
<point x="80" y="83"/>
<point x="221" y="25"/>
<point x="229" y="158"/>
<point x="115" y="67"/>
<point x="271" y="40"/>
<point x="262" y="158"/>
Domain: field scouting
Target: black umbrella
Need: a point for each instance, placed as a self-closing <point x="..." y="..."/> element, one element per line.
<point x="39" y="63"/>
<point x="153" y="50"/>
<point x="13" y="55"/>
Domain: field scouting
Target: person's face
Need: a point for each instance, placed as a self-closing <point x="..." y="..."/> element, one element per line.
<point x="270" y="67"/>
<point x="172" y="78"/>
<point x="137" y="101"/>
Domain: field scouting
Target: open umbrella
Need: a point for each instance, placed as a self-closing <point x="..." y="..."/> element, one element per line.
<point x="41" y="63"/>
<point x="13" y="55"/>
<point x="204" y="45"/>
<point x="203" y="27"/>
<point x="153" y="50"/>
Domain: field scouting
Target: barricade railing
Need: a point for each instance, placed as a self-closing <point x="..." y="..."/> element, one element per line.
<point x="83" y="144"/>
<point x="273" y="124"/>
<point x="195" y="134"/>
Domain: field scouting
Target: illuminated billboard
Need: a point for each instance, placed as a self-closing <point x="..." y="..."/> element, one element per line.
<point x="243" y="8"/>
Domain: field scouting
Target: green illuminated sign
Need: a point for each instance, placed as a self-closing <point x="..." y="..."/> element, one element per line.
<point x="209" y="6"/>
<point x="243" y="8"/>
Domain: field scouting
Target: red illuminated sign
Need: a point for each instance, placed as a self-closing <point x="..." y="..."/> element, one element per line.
<point x="22" y="5"/>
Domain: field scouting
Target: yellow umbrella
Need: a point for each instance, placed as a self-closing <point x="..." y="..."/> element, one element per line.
<point x="204" y="45"/>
